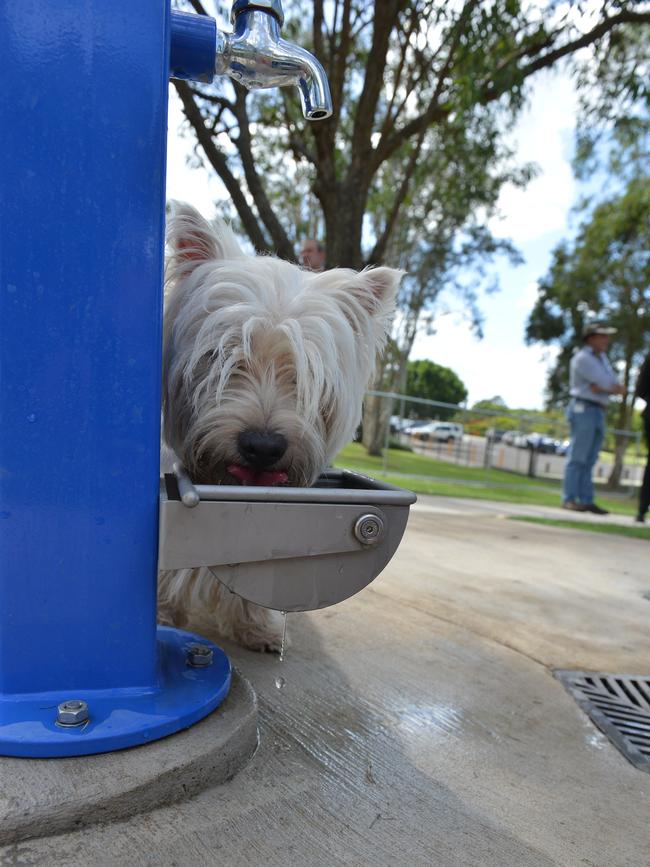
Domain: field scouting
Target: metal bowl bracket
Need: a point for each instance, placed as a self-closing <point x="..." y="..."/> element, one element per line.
<point x="291" y="549"/>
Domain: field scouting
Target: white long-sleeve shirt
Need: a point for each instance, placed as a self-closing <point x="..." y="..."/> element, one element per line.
<point x="591" y="368"/>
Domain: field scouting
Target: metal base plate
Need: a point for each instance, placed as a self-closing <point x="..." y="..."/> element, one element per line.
<point x="119" y="718"/>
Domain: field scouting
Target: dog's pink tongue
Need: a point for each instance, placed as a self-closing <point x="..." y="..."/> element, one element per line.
<point x="261" y="478"/>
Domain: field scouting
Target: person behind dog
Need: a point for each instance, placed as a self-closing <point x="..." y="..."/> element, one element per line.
<point x="312" y="255"/>
<point x="643" y="391"/>
<point x="592" y="381"/>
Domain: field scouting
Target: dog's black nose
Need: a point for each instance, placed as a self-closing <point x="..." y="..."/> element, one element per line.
<point x="261" y="449"/>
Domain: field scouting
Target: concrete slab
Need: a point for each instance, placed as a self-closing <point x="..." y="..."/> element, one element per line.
<point x="567" y="598"/>
<point x="419" y="722"/>
<point x="40" y="797"/>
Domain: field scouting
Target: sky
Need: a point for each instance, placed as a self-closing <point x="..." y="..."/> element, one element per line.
<point x="535" y="219"/>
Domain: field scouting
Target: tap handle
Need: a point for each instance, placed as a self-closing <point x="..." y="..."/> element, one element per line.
<point x="271" y="7"/>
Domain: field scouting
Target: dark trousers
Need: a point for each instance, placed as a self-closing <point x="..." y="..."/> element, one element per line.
<point x="644" y="496"/>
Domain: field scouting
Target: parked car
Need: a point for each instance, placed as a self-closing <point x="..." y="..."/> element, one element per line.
<point x="399" y="425"/>
<point x="541" y="443"/>
<point x="510" y="436"/>
<point x="414" y="426"/>
<point x="441" y="431"/>
<point x="563" y="447"/>
<point x="495" y="435"/>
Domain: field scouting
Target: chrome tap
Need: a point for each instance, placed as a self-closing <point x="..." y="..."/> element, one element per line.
<point x="256" y="56"/>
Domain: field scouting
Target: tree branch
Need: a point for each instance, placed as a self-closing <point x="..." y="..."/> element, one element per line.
<point x="379" y="250"/>
<point x="386" y="145"/>
<point x="386" y="14"/>
<point x="243" y="142"/>
<point x="339" y="60"/>
<point x="437" y="112"/>
<point x="587" y="39"/>
<point x="389" y="119"/>
<point x="220" y="164"/>
<point x="198" y="7"/>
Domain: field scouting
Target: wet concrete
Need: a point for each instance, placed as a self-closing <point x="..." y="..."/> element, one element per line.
<point x="419" y="722"/>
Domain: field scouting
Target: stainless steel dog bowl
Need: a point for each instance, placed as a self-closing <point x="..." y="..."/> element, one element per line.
<point x="291" y="549"/>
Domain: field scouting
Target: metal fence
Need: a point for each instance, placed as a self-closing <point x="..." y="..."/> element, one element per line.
<point x="523" y="443"/>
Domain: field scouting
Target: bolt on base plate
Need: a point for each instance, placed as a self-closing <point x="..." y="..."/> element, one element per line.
<point x="43" y="725"/>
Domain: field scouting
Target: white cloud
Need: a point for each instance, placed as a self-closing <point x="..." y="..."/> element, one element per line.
<point x="487" y="368"/>
<point x="541" y="136"/>
<point x="527" y="297"/>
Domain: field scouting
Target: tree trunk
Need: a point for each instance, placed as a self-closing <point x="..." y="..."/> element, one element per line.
<point x="378" y="410"/>
<point x="344" y="211"/>
<point x="620" y="448"/>
<point x="621" y="444"/>
<point x="376" y="419"/>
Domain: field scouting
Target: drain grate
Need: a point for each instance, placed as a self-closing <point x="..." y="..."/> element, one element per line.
<point x="619" y="704"/>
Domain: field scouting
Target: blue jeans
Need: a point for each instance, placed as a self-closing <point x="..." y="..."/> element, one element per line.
<point x="587" y="432"/>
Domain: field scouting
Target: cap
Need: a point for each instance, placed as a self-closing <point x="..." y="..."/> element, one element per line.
<point x="597" y="327"/>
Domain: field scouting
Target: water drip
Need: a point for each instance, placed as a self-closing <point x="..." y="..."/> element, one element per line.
<point x="284" y="636"/>
<point x="279" y="680"/>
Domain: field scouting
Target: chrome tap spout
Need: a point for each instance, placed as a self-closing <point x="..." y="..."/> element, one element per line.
<point x="256" y="56"/>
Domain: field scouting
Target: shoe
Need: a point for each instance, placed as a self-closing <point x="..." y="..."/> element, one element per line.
<point x="640" y="519"/>
<point x="594" y="509"/>
<point x="573" y="506"/>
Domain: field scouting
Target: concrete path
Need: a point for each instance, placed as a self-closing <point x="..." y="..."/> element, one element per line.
<point x="475" y="508"/>
<point x="419" y="722"/>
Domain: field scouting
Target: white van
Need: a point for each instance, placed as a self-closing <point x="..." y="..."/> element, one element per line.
<point x="441" y="432"/>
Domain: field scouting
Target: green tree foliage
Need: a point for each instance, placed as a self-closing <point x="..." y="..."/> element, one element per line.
<point x="496" y="403"/>
<point x="430" y="381"/>
<point x="416" y="85"/>
<point x="613" y="129"/>
<point x="605" y="272"/>
<point x="409" y="168"/>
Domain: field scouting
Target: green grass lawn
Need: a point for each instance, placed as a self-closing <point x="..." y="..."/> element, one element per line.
<point x="426" y="475"/>
<point x="631" y="458"/>
<point x="635" y="532"/>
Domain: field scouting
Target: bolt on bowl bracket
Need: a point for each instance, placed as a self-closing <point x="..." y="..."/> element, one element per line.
<point x="254" y="54"/>
<point x="290" y="549"/>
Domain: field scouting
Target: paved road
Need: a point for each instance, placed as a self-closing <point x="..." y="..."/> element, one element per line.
<point x="419" y="723"/>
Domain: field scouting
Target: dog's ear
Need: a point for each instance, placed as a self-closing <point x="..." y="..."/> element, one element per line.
<point x="376" y="289"/>
<point x="192" y="240"/>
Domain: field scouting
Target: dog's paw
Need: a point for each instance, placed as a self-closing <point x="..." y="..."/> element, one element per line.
<point x="257" y="628"/>
<point x="261" y="641"/>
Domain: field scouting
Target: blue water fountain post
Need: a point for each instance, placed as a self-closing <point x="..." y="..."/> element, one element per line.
<point x="83" y="116"/>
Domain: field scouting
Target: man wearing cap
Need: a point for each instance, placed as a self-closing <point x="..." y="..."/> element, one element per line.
<point x="592" y="381"/>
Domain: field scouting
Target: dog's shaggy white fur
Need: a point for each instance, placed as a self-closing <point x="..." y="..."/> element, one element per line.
<point x="265" y="366"/>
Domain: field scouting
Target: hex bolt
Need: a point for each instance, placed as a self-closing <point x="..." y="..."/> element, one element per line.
<point x="73" y="712"/>
<point x="199" y="655"/>
<point x="369" y="529"/>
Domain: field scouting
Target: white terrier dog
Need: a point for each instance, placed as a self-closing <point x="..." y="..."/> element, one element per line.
<point x="265" y="366"/>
